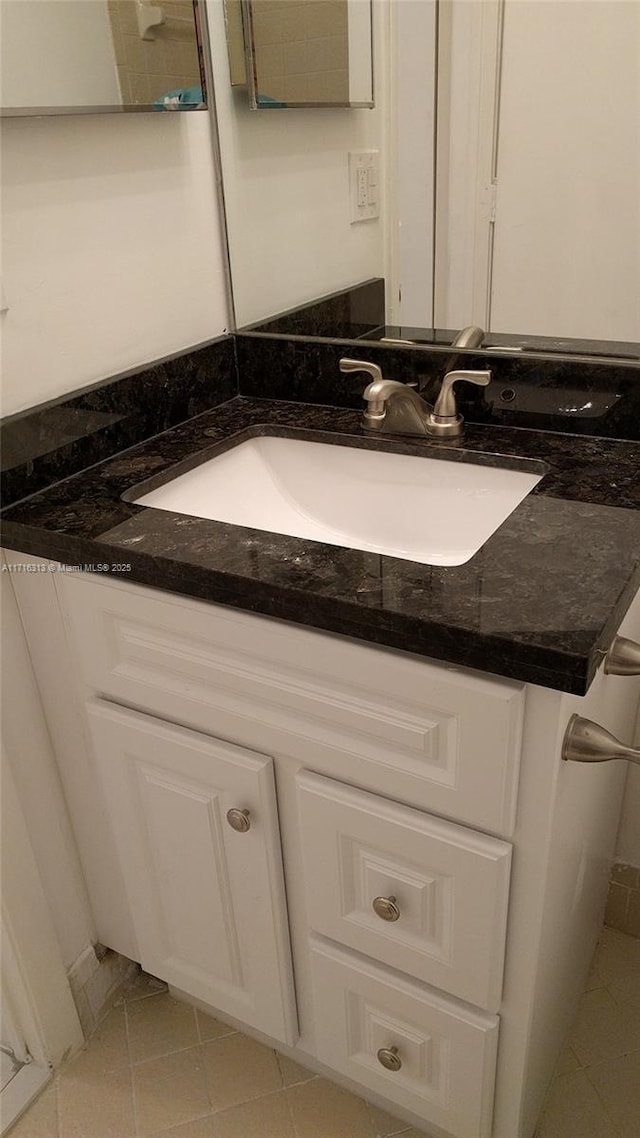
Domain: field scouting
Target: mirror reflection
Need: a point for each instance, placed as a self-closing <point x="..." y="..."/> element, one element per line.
<point x="68" y="56"/>
<point x="301" y="53"/>
<point x="506" y="137"/>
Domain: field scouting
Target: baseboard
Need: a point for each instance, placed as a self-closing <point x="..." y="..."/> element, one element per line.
<point x="96" y="979"/>
<point x="623" y="901"/>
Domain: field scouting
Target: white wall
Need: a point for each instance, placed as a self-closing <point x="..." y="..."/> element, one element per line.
<point x="26" y="748"/>
<point x="37" y="40"/>
<point x="112" y="253"/>
<point x="287" y="190"/>
<point x="628" y="844"/>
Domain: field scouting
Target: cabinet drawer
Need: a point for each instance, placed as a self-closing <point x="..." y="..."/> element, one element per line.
<point x="447" y="1051"/>
<point x="437" y="737"/>
<point x="446" y="921"/>
<point x="207" y="900"/>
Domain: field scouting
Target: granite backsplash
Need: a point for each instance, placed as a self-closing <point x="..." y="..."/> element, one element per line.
<point x="597" y="398"/>
<point x="52" y="441"/>
<point x="43" y="444"/>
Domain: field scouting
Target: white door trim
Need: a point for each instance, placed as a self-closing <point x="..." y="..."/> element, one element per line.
<point x="412" y="114"/>
<point x="34" y="980"/>
<point x="469" y="66"/>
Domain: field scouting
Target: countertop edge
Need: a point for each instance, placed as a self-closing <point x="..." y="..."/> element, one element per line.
<point x="564" y="672"/>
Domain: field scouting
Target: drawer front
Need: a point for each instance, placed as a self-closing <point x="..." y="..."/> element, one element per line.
<point x="437" y="737"/>
<point x="447" y="1052"/>
<point x="206" y="890"/>
<point x="423" y="895"/>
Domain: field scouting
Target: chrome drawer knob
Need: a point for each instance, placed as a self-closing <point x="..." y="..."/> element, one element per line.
<point x="588" y="742"/>
<point x="623" y="658"/>
<point x="239" y="820"/>
<point x="386" y="908"/>
<point x="389" y="1058"/>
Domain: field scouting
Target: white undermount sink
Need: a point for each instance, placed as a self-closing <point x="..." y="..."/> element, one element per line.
<point x="419" y="508"/>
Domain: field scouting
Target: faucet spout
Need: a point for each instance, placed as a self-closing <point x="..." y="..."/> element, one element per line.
<point x="397" y="409"/>
<point x="469" y="337"/>
<point x="397" y="406"/>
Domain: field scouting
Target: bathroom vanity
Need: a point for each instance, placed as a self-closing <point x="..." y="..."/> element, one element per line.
<point x="340" y="818"/>
<point x="316" y="782"/>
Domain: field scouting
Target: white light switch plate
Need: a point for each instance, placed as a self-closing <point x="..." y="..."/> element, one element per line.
<point x="364" y="187"/>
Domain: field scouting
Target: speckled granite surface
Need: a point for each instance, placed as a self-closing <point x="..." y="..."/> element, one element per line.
<point x="593" y="397"/>
<point x="539" y="602"/>
<point x="49" y="442"/>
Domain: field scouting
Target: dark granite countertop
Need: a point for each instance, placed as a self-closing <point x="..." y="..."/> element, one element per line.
<point x="540" y="601"/>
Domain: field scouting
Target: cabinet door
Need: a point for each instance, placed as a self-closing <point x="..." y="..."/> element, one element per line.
<point x="207" y="901"/>
<point x="419" y="1049"/>
<point x="423" y="895"/>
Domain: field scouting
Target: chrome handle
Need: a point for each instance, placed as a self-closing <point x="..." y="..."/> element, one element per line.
<point x="376" y="409"/>
<point x="347" y="365"/>
<point x="239" y="820"/>
<point x="588" y="742"/>
<point x="623" y="658"/>
<point x="389" y="1058"/>
<point x="445" y="405"/>
<point x="386" y="908"/>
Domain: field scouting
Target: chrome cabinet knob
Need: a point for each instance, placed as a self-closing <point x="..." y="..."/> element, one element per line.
<point x="588" y="742"/>
<point x="386" y="908"/>
<point x="389" y="1058"/>
<point x="239" y="820"/>
<point x="623" y="658"/>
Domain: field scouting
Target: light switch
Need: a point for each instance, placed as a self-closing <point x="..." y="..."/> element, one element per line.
<point x="361" y="174"/>
<point x="363" y="185"/>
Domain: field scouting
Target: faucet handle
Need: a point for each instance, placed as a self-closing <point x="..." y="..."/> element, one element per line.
<point x="347" y="365"/>
<point x="445" y="405"/>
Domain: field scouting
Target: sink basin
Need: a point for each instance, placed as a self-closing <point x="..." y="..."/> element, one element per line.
<point x="432" y="510"/>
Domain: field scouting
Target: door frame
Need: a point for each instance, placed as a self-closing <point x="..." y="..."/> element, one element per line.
<point x="33" y="977"/>
<point x="470" y="40"/>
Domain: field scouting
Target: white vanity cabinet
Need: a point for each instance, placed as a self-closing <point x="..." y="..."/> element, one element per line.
<point x="444" y="871"/>
<point x="196" y="828"/>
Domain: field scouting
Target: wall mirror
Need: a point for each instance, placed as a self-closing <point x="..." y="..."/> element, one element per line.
<point x="301" y="53"/>
<point x="78" y="56"/>
<point x="505" y="142"/>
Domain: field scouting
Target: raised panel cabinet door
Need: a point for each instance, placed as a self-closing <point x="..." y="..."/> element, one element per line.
<point x="426" y="896"/>
<point x="207" y="899"/>
<point x="421" y="1050"/>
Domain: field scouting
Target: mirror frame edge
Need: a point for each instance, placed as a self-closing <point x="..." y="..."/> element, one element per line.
<point x="200" y="29"/>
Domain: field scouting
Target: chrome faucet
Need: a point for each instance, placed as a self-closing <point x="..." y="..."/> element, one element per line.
<point x="397" y="409"/>
<point x="469" y="337"/>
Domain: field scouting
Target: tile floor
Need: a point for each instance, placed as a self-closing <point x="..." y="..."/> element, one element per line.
<point x="156" y="1068"/>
